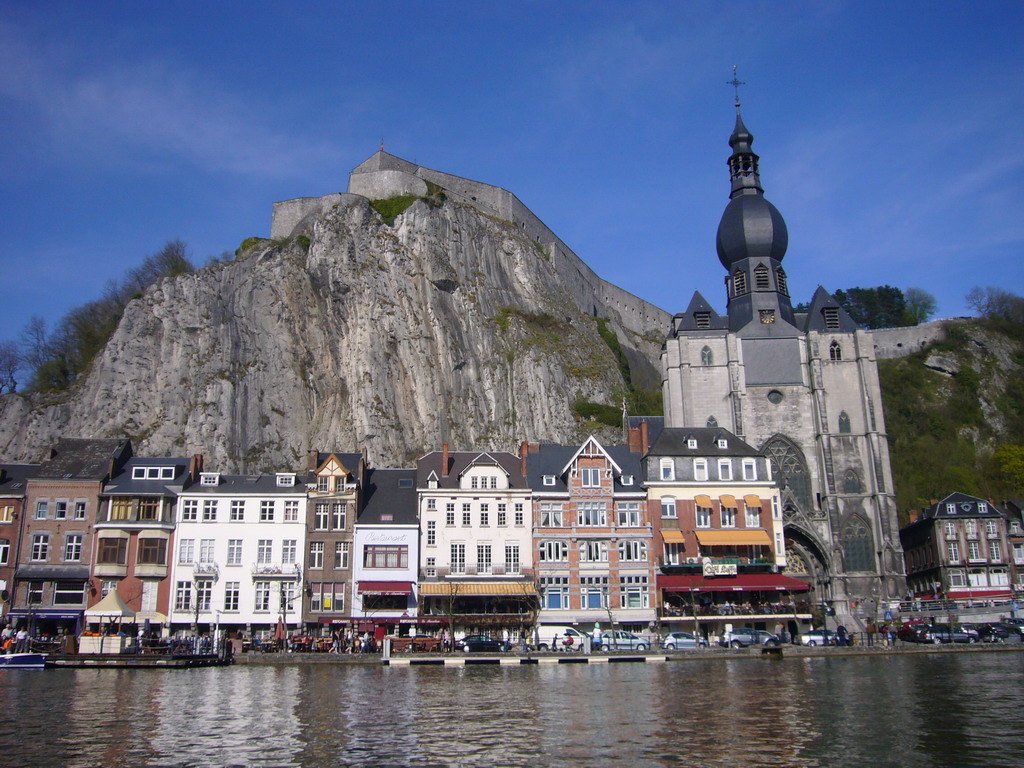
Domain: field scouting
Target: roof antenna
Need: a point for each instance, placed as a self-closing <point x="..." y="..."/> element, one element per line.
<point x="735" y="83"/>
<point x="382" y="138"/>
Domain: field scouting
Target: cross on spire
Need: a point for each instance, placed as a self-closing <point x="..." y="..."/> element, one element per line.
<point x="736" y="83"/>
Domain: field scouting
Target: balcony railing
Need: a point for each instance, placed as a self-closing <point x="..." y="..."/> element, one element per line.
<point x="276" y="571"/>
<point x="205" y="569"/>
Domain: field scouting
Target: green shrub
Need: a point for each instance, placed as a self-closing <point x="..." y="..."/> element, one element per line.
<point x="393" y="207"/>
<point x="248" y="243"/>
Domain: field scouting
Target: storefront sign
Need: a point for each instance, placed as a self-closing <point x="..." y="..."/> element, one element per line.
<point x="719" y="569"/>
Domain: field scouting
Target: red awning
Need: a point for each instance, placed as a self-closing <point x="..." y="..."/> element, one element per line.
<point x="961" y="593"/>
<point x="744" y="582"/>
<point x="385" y="588"/>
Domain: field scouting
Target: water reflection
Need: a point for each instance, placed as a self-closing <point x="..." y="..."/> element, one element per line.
<point x="909" y="711"/>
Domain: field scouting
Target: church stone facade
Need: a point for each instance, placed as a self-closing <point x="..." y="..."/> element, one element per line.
<point x="801" y="387"/>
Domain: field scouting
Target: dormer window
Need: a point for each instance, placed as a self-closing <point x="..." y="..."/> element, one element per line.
<point x="982" y="507"/>
<point x="951" y="509"/>
<point x="668" y="469"/>
<point x="285" y="481"/>
<point x="761" y="281"/>
<point x="691" y="444"/>
<point x="209" y="478"/>
<point x="626" y="479"/>
<point x="702" y="319"/>
<point x="152" y="473"/>
<point x="722" y="443"/>
<point x="739" y="282"/>
<point x="549" y="479"/>
<point x="831" y="317"/>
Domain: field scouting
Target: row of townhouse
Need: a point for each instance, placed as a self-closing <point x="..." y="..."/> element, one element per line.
<point x="679" y="528"/>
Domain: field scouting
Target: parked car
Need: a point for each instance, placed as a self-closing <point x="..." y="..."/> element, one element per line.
<point x="993" y="632"/>
<point x="972" y="630"/>
<point x="943" y="633"/>
<point x="674" y="640"/>
<point x="818" y="637"/>
<point x="910" y="632"/>
<point x="481" y="644"/>
<point x="1014" y="626"/>
<point x="742" y="637"/>
<point x="620" y="640"/>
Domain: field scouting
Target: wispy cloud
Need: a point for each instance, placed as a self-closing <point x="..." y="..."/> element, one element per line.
<point x="157" y="109"/>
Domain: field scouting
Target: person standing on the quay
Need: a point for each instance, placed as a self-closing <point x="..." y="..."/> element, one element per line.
<point x="871" y="630"/>
<point x="841" y="635"/>
<point x="21" y="646"/>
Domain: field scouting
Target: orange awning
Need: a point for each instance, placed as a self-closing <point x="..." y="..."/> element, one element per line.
<point x="702" y="500"/>
<point x="473" y="588"/>
<point x="752" y="500"/>
<point x="750" y="538"/>
<point x="672" y="537"/>
<point x="727" y="500"/>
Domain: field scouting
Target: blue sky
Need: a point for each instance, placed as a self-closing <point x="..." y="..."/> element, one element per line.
<point x="888" y="132"/>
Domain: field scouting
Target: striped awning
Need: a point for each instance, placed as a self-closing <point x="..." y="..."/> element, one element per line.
<point x="727" y="500"/>
<point x="702" y="500"/>
<point x="752" y="501"/>
<point x="672" y="537"/>
<point x="749" y="538"/>
<point x="474" y="588"/>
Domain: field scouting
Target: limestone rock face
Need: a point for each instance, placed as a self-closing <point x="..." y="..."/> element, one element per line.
<point x="447" y="324"/>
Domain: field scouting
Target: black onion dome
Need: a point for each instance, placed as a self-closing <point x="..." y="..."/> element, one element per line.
<point x="751" y="227"/>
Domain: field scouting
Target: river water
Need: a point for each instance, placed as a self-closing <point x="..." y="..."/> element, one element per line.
<point x="916" y="710"/>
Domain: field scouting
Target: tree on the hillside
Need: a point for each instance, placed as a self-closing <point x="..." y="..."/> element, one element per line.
<point x="920" y="305"/>
<point x="992" y="302"/>
<point x="10" y="363"/>
<point x="1010" y="460"/>
<point x="881" y="307"/>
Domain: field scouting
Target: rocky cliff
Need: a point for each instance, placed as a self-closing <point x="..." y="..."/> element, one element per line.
<point x="441" y="323"/>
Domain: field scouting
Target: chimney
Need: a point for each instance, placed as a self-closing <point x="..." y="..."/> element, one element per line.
<point x="444" y="459"/>
<point x="195" y="466"/>
<point x="524" y="451"/>
<point x="313" y="460"/>
<point x="639" y="438"/>
<point x="645" y="437"/>
<point x="914" y="515"/>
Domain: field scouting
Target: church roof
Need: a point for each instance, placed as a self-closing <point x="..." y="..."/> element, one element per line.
<point x="820" y="320"/>
<point x="699" y="315"/>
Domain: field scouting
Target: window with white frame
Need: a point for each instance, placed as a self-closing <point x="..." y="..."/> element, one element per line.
<point x="204" y="594"/>
<point x="957" y="578"/>
<point x="995" y="552"/>
<point x="342" y="552"/>
<point x="485" y="516"/>
<point x="628" y="513"/>
<point x="289" y="551"/>
<point x="519" y="513"/>
<point x="703" y="517"/>
<point x="186" y="551"/>
<point x="982" y="507"/>
<point x="666" y="469"/>
<point x="592" y="513"/>
<point x="40" y="546"/>
<point x="953" y="551"/>
<point x="73" y="547"/>
<point x="60" y="510"/>
<point x="691" y="443"/>
<point x="513" y="566"/>
<point x="633" y="592"/>
<point x="80" y="510"/>
<point x="502" y="514"/>
<point x="973" y="550"/>
<point x="467" y="514"/>
<point x="724" y="469"/>
<point x="673" y="553"/>
<point x="632" y="550"/>
<point x="150" y="590"/>
<point x="5" y="551"/>
<point x="590" y="477"/>
<point x="267" y="511"/>
<point x="554" y="591"/>
<point x="668" y="506"/>
<point x="42" y="509"/>
<point x="339" y="516"/>
<point x="291" y="511"/>
<point x="68" y="592"/>
<point x="458" y="560"/>
<point x="321" y="516"/>
<point x="553" y="551"/>
<point x="998" y="577"/>
<point x="749" y="469"/>
<point x="262" y="602"/>
<point x="950" y="529"/>
<point x="183" y="596"/>
<point x="316" y="554"/>
<point x="978" y="577"/>
<point x="483" y="558"/>
<point x="234" y="551"/>
<point x="951" y="509"/>
<point x="231" y="591"/>
<point x="549" y="479"/>
<point x="971" y="529"/>
<point x="1018" y="554"/>
<point x="431" y="533"/>
<point x="190" y="510"/>
<point x="700" y="470"/>
<point x="594" y="592"/>
<point x="991" y="528"/>
<point x="593" y="551"/>
<point x="728" y="517"/>
<point x="753" y="517"/>
<point x="551" y="514"/>
<point x="323" y="484"/>
<point x="107" y="586"/>
<point x="206" y="548"/>
<point x="431" y="569"/>
<point x="209" y="510"/>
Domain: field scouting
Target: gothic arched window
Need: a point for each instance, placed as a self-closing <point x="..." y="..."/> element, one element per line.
<point x="739" y="282"/>
<point x="707" y="357"/>
<point x="844" y="423"/>
<point x="857" y="549"/>
<point x="851" y="482"/>
<point x="788" y="465"/>
<point x="835" y="351"/>
<point x="712" y="422"/>
<point x="761" y="277"/>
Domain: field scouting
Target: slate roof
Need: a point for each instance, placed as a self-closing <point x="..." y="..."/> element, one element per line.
<point x="350" y="460"/>
<point x="550" y="459"/>
<point x="965" y="507"/>
<point x="687" y="321"/>
<point x="123" y="484"/>
<point x="13" y="478"/>
<point x="389" y="492"/>
<point x="672" y="441"/>
<point x="460" y="461"/>
<point x="84" y="459"/>
<point x="654" y="426"/>
<point x="815" y="320"/>
<point x="265" y="485"/>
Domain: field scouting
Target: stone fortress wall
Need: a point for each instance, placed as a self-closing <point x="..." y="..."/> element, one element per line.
<point x="900" y="342"/>
<point x="384" y="176"/>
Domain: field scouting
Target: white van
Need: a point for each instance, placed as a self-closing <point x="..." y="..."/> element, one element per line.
<point x="552" y="637"/>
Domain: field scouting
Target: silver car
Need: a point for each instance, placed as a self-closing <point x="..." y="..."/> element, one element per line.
<point x="675" y="640"/>
<point x="742" y="637"/>
<point x="620" y="640"/>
